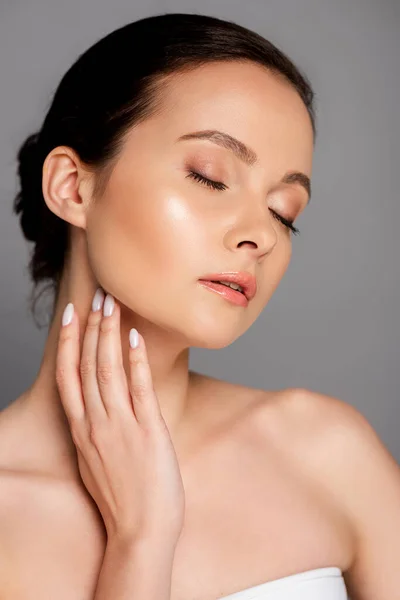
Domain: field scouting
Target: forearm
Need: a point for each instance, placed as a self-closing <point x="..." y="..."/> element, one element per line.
<point x="135" y="571"/>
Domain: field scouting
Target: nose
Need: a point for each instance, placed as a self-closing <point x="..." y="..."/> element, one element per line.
<point x="253" y="234"/>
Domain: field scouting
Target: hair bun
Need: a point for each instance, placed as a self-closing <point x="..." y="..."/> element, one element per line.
<point x="29" y="199"/>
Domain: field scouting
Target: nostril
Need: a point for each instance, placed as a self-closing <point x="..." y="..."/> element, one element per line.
<point x="252" y="243"/>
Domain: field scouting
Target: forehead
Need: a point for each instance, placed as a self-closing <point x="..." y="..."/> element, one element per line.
<point x="245" y="100"/>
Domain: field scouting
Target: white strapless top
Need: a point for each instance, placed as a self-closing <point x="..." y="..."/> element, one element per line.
<point x="326" y="583"/>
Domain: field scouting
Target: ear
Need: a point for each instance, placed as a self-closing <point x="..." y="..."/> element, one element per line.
<point x="66" y="186"/>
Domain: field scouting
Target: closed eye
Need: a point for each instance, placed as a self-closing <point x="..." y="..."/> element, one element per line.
<point x="218" y="185"/>
<point x="289" y="224"/>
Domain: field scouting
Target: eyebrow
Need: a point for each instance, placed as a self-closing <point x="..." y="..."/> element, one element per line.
<point x="245" y="154"/>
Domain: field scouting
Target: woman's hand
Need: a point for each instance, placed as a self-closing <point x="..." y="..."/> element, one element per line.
<point x="125" y="454"/>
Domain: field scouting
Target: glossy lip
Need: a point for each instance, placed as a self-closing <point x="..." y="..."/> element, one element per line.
<point x="246" y="280"/>
<point x="226" y="292"/>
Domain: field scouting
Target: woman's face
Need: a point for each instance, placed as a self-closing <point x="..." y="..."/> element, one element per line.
<point x="157" y="230"/>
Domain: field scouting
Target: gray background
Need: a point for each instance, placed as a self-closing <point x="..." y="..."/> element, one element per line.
<point x="332" y="325"/>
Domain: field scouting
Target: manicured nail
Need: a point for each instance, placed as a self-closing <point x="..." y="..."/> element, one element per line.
<point x="133" y="338"/>
<point x="108" y="306"/>
<point x="98" y="300"/>
<point x="68" y="314"/>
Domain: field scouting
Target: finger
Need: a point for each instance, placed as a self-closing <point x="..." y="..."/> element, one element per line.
<point x="67" y="367"/>
<point x="144" y="399"/>
<point x="95" y="409"/>
<point x="111" y="375"/>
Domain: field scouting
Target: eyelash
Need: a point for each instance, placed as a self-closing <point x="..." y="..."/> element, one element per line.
<point x="218" y="185"/>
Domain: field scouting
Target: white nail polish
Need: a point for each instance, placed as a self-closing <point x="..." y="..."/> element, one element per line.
<point x="68" y="314"/>
<point x="98" y="300"/>
<point x="108" y="306"/>
<point x="133" y="338"/>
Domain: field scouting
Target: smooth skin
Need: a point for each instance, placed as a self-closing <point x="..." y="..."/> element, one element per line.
<point x="125" y="454"/>
<point x="275" y="482"/>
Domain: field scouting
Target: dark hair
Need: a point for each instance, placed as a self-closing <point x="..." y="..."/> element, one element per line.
<point x="112" y="86"/>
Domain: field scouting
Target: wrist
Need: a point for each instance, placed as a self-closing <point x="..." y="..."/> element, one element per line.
<point x="128" y="544"/>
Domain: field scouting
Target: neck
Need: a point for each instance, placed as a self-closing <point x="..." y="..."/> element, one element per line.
<point x="168" y="358"/>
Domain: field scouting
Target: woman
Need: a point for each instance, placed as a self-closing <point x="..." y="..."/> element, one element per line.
<point x="176" y="154"/>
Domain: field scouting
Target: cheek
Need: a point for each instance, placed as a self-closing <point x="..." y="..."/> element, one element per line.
<point x="274" y="269"/>
<point x="139" y="234"/>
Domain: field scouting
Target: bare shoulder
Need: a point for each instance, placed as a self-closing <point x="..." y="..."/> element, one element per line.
<point x="17" y="503"/>
<point x="6" y="508"/>
<point x="336" y="438"/>
<point x="34" y="506"/>
<point x="344" y="452"/>
<point x="329" y="424"/>
<point x="39" y="520"/>
<point x="337" y="429"/>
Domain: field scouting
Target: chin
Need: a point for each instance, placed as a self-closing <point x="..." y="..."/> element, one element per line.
<point x="212" y="343"/>
<point x="214" y="335"/>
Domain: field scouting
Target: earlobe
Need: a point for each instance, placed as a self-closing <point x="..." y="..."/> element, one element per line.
<point x="61" y="178"/>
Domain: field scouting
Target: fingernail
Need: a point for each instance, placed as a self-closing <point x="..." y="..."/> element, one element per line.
<point x="68" y="314"/>
<point x="108" y="306"/>
<point x="98" y="300"/>
<point x="133" y="338"/>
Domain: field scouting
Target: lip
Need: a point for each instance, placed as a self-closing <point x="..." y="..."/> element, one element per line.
<point x="246" y="280"/>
